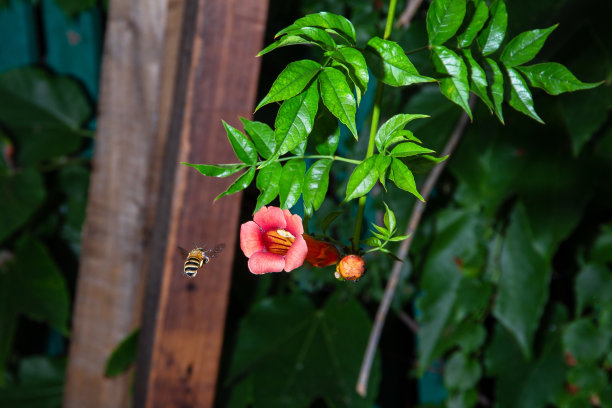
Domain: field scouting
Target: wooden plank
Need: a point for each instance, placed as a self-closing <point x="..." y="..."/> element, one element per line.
<point x="184" y="318"/>
<point x="122" y="193"/>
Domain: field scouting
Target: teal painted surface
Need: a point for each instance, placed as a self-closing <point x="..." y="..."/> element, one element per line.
<point x="73" y="45"/>
<point x="17" y="24"/>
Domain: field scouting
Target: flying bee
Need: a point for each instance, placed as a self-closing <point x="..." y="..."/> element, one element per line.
<point x="197" y="257"/>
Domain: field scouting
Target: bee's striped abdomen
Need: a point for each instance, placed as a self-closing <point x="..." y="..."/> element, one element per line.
<point x="192" y="264"/>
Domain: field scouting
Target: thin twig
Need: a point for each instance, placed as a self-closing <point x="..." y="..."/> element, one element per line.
<point x="406" y="17"/>
<point x="415" y="218"/>
<point x="408" y="321"/>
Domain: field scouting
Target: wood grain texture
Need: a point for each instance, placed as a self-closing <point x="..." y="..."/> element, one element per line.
<point x="184" y="319"/>
<point x="116" y="233"/>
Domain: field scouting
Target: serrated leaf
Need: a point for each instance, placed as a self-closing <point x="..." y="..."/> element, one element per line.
<point x="478" y="79"/>
<point x="403" y="178"/>
<point x="267" y="182"/>
<point x="525" y="46"/>
<point x="316" y="182"/>
<point x="479" y="18"/>
<point x="362" y="179"/>
<point x="389" y="219"/>
<point x="123" y="355"/>
<point x="382" y="164"/>
<point x="444" y="18"/>
<point x="262" y="136"/>
<point x="283" y="42"/>
<point x="325" y="132"/>
<point x="391" y="127"/>
<point x="291" y="182"/>
<point x="520" y="96"/>
<point x="523" y="285"/>
<point x="495" y="78"/>
<point x="357" y="67"/>
<point x="554" y="78"/>
<point x="22" y="194"/>
<point x="493" y="35"/>
<point x="240" y="183"/>
<point x="325" y="20"/>
<point x="291" y="81"/>
<point x="409" y="149"/>
<point x="295" y="119"/>
<point x="242" y="145"/>
<point x="217" y="170"/>
<point x="456" y="88"/>
<point x="338" y="98"/>
<point x="390" y="64"/>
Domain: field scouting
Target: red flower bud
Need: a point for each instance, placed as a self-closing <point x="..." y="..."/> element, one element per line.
<point x="351" y="267"/>
<point x="320" y="253"/>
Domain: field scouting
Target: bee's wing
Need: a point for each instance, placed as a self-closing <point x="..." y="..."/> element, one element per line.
<point x="212" y="252"/>
<point x="184" y="252"/>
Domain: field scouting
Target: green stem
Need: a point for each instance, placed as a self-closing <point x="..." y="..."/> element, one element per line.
<point x="335" y="158"/>
<point x="426" y="47"/>
<point x="373" y="128"/>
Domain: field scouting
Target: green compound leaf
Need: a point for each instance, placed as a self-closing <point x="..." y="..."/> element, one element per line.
<point x="328" y="21"/>
<point x="240" y="183"/>
<point x="409" y="149"/>
<point x="310" y="35"/>
<point x="479" y="18"/>
<point x="291" y="81"/>
<point x="325" y="132"/>
<point x="338" y="98"/>
<point x="262" y="136"/>
<point x="268" y="182"/>
<point x="243" y="147"/>
<point x="357" y="67"/>
<point x="123" y="355"/>
<point x="390" y="65"/>
<point x="295" y="119"/>
<point x="316" y="182"/>
<point x="283" y="42"/>
<point x="403" y="178"/>
<point x="382" y="165"/>
<point x="495" y="78"/>
<point x="401" y="136"/>
<point x="478" y="78"/>
<point x="217" y="170"/>
<point x="492" y="36"/>
<point x="391" y="127"/>
<point x="523" y="285"/>
<point x="520" y="96"/>
<point x="362" y="179"/>
<point x="444" y="18"/>
<point x="291" y="182"/>
<point x="525" y="46"/>
<point x="456" y="88"/>
<point x="554" y="78"/>
<point x="22" y="194"/>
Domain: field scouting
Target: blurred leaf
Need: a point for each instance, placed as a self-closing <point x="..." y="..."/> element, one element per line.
<point x="291" y="81"/>
<point x="41" y="383"/>
<point x="588" y="379"/>
<point x="444" y="18"/>
<point x="525" y="46"/>
<point x="295" y="119"/>
<point x="44" y="113"/>
<point x="74" y="7"/>
<point x="601" y="250"/>
<point x="493" y="34"/>
<point x="123" y="355"/>
<point x="262" y="136"/>
<point x="315" y="183"/>
<point x="390" y="64"/>
<point x="461" y="372"/>
<point x="74" y="182"/>
<point x="523" y="285"/>
<point x="338" y="97"/>
<point x="362" y="179"/>
<point x="240" y="183"/>
<point x="586" y="343"/>
<point x="456" y="88"/>
<point x="495" y="78"/>
<point x="329" y="21"/>
<point x="242" y="145"/>
<point x="22" y="194"/>
<point x="217" y="170"/>
<point x="584" y="113"/>
<point x="593" y="286"/>
<point x="403" y="178"/>
<point x="478" y="20"/>
<point x="554" y="78"/>
<point x="478" y="79"/>
<point x="268" y="181"/>
<point x="325" y="132"/>
<point x="291" y="182"/>
<point x="8" y="318"/>
<point x="296" y="353"/>
<point x="520" y="96"/>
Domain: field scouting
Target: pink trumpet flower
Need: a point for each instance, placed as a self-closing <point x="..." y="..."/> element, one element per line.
<point x="273" y="241"/>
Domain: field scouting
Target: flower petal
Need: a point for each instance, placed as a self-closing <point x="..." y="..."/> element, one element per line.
<point x="294" y="223"/>
<point x="251" y="238"/>
<point x="296" y="254"/>
<point x="264" y="262"/>
<point x="270" y="218"/>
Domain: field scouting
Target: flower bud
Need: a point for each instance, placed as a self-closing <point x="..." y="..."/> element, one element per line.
<point x="351" y="267"/>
